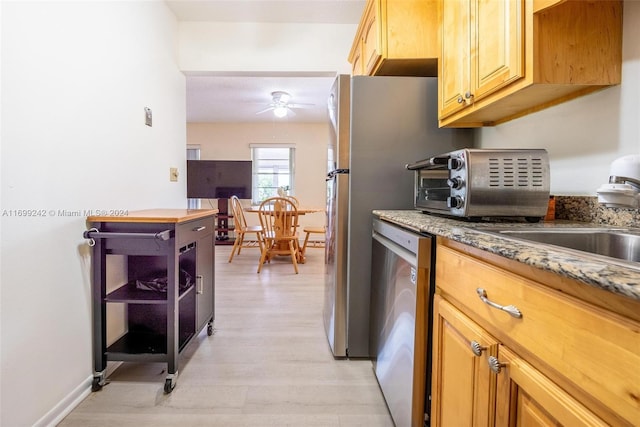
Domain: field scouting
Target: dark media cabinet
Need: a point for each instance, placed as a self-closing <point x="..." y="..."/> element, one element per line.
<point x="224" y="228"/>
<point x="170" y="290"/>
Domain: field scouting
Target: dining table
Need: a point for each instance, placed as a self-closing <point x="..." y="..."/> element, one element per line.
<point x="301" y="211"/>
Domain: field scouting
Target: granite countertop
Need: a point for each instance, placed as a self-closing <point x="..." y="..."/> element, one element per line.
<point x="591" y="270"/>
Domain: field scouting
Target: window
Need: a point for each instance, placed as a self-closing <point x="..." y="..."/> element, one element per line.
<point x="272" y="169"/>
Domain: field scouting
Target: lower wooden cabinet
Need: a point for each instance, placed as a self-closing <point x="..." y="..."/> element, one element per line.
<point x="516" y="346"/>
<point x="463" y="387"/>
<point x="479" y="382"/>
<point x="525" y="397"/>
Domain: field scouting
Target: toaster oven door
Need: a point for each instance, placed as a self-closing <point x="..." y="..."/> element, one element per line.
<point x="432" y="189"/>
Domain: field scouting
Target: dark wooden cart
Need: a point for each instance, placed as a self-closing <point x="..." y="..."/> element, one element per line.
<point x="170" y="293"/>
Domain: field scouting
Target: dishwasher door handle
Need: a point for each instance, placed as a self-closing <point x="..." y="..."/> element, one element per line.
<point x="403" y="253"/>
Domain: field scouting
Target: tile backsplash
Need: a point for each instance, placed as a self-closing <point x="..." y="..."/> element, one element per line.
<point x="587" y="209"/>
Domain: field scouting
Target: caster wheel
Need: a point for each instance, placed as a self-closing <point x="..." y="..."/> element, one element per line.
<point x="210" y="329"/>
<point x="95" y="385"/>
<point x="168" y="386"/>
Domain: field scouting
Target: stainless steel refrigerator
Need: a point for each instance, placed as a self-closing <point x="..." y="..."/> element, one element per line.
<point x="377" y="126"/>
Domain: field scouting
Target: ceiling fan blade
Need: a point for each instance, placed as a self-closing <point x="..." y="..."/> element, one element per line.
<point x="280" y="105"/>
<point x="300" y="105"/>
<point x="265" y="110"/>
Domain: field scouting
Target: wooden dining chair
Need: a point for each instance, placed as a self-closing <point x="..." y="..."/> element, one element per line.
<point x="279" y="221"/>
<point x="241" y="229"/>
<point x="309" y="230"/>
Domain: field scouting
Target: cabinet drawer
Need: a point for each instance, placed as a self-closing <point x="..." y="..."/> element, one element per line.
<point x="191" y="231"/>
<point x="590" y="350"/>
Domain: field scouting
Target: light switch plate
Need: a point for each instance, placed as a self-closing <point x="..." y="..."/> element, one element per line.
<point x="148" y="116"/>
<point x="173" y="174"/>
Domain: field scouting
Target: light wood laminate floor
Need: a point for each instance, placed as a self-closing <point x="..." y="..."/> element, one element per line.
<point x="268" y="362"/>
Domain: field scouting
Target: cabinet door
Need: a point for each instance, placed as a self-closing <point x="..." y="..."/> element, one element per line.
<point x="498" y="45"/>
<point x="463" y="386"/>
<point x="205" y="280"/>
<point x="371" y="36"/>
<point x="357" y="68"/>
<point x="453" y="73"/>
<point x="525" y="397"/>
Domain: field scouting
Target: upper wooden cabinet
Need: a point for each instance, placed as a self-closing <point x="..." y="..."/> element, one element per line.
<point x="496" y="62"/>
<point x="539" y="5"/>
<point x="504" y="59"/>
<point x="397" y="38"/>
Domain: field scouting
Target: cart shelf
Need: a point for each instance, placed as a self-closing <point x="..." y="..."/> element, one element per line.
<point x="128" y="293"/>
<point x="142" y="343"/>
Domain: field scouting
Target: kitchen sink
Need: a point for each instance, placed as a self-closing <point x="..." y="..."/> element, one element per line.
<point x="619" y="244"/>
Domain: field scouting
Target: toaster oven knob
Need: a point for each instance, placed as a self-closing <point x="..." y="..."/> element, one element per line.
<point x="455" y="202"/>
<point x="455" y="182"/>
<point x="454" y="163"/>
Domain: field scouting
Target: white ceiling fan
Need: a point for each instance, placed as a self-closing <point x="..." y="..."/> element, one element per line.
<point x="281" y="106"/>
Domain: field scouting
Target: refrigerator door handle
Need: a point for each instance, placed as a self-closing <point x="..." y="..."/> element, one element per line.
<point x="335" y="172"/>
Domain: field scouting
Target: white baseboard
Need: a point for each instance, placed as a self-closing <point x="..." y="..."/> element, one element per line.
<point x="73" y="399"/>
<point x="66" y="405"/>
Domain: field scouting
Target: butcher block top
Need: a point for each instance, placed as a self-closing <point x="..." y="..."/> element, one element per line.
<point x="153" y="215"/>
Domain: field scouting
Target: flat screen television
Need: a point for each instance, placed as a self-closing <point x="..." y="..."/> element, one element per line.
<point x="218" y="179"/>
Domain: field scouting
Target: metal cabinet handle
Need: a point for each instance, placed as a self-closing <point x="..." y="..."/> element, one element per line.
<point x="199" y="284"/>
<point x="202" y="227"/>
<point x="476" y="348"/>
<point x="511" y="309"/>
<point x="495" y="365"/>
<point x="460" y="99"/>
<point x="468" y="95"/>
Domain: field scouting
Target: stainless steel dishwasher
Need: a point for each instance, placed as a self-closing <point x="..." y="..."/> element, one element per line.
<point x="401" y="312"/>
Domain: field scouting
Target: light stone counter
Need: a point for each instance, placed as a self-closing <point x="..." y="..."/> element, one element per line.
<point x="591" y="270"/>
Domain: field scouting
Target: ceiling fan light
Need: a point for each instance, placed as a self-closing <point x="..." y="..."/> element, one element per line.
<point x="280" y="111"/>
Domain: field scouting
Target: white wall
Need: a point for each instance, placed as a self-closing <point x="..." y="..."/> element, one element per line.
<point x="76" y="77"/>
<point x="230" y="141"/>
<point x="265" y="47"/>
<point x="585" y="135"/>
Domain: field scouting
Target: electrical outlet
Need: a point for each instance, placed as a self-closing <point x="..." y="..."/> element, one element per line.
<point x="173" y="174"/>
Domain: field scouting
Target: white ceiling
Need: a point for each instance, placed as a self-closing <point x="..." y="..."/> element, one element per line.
<point x="297" y="11"/>
<point x="237" y="98"/>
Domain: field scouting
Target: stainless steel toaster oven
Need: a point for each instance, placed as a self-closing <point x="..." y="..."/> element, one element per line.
<point x="475" y="183"/>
